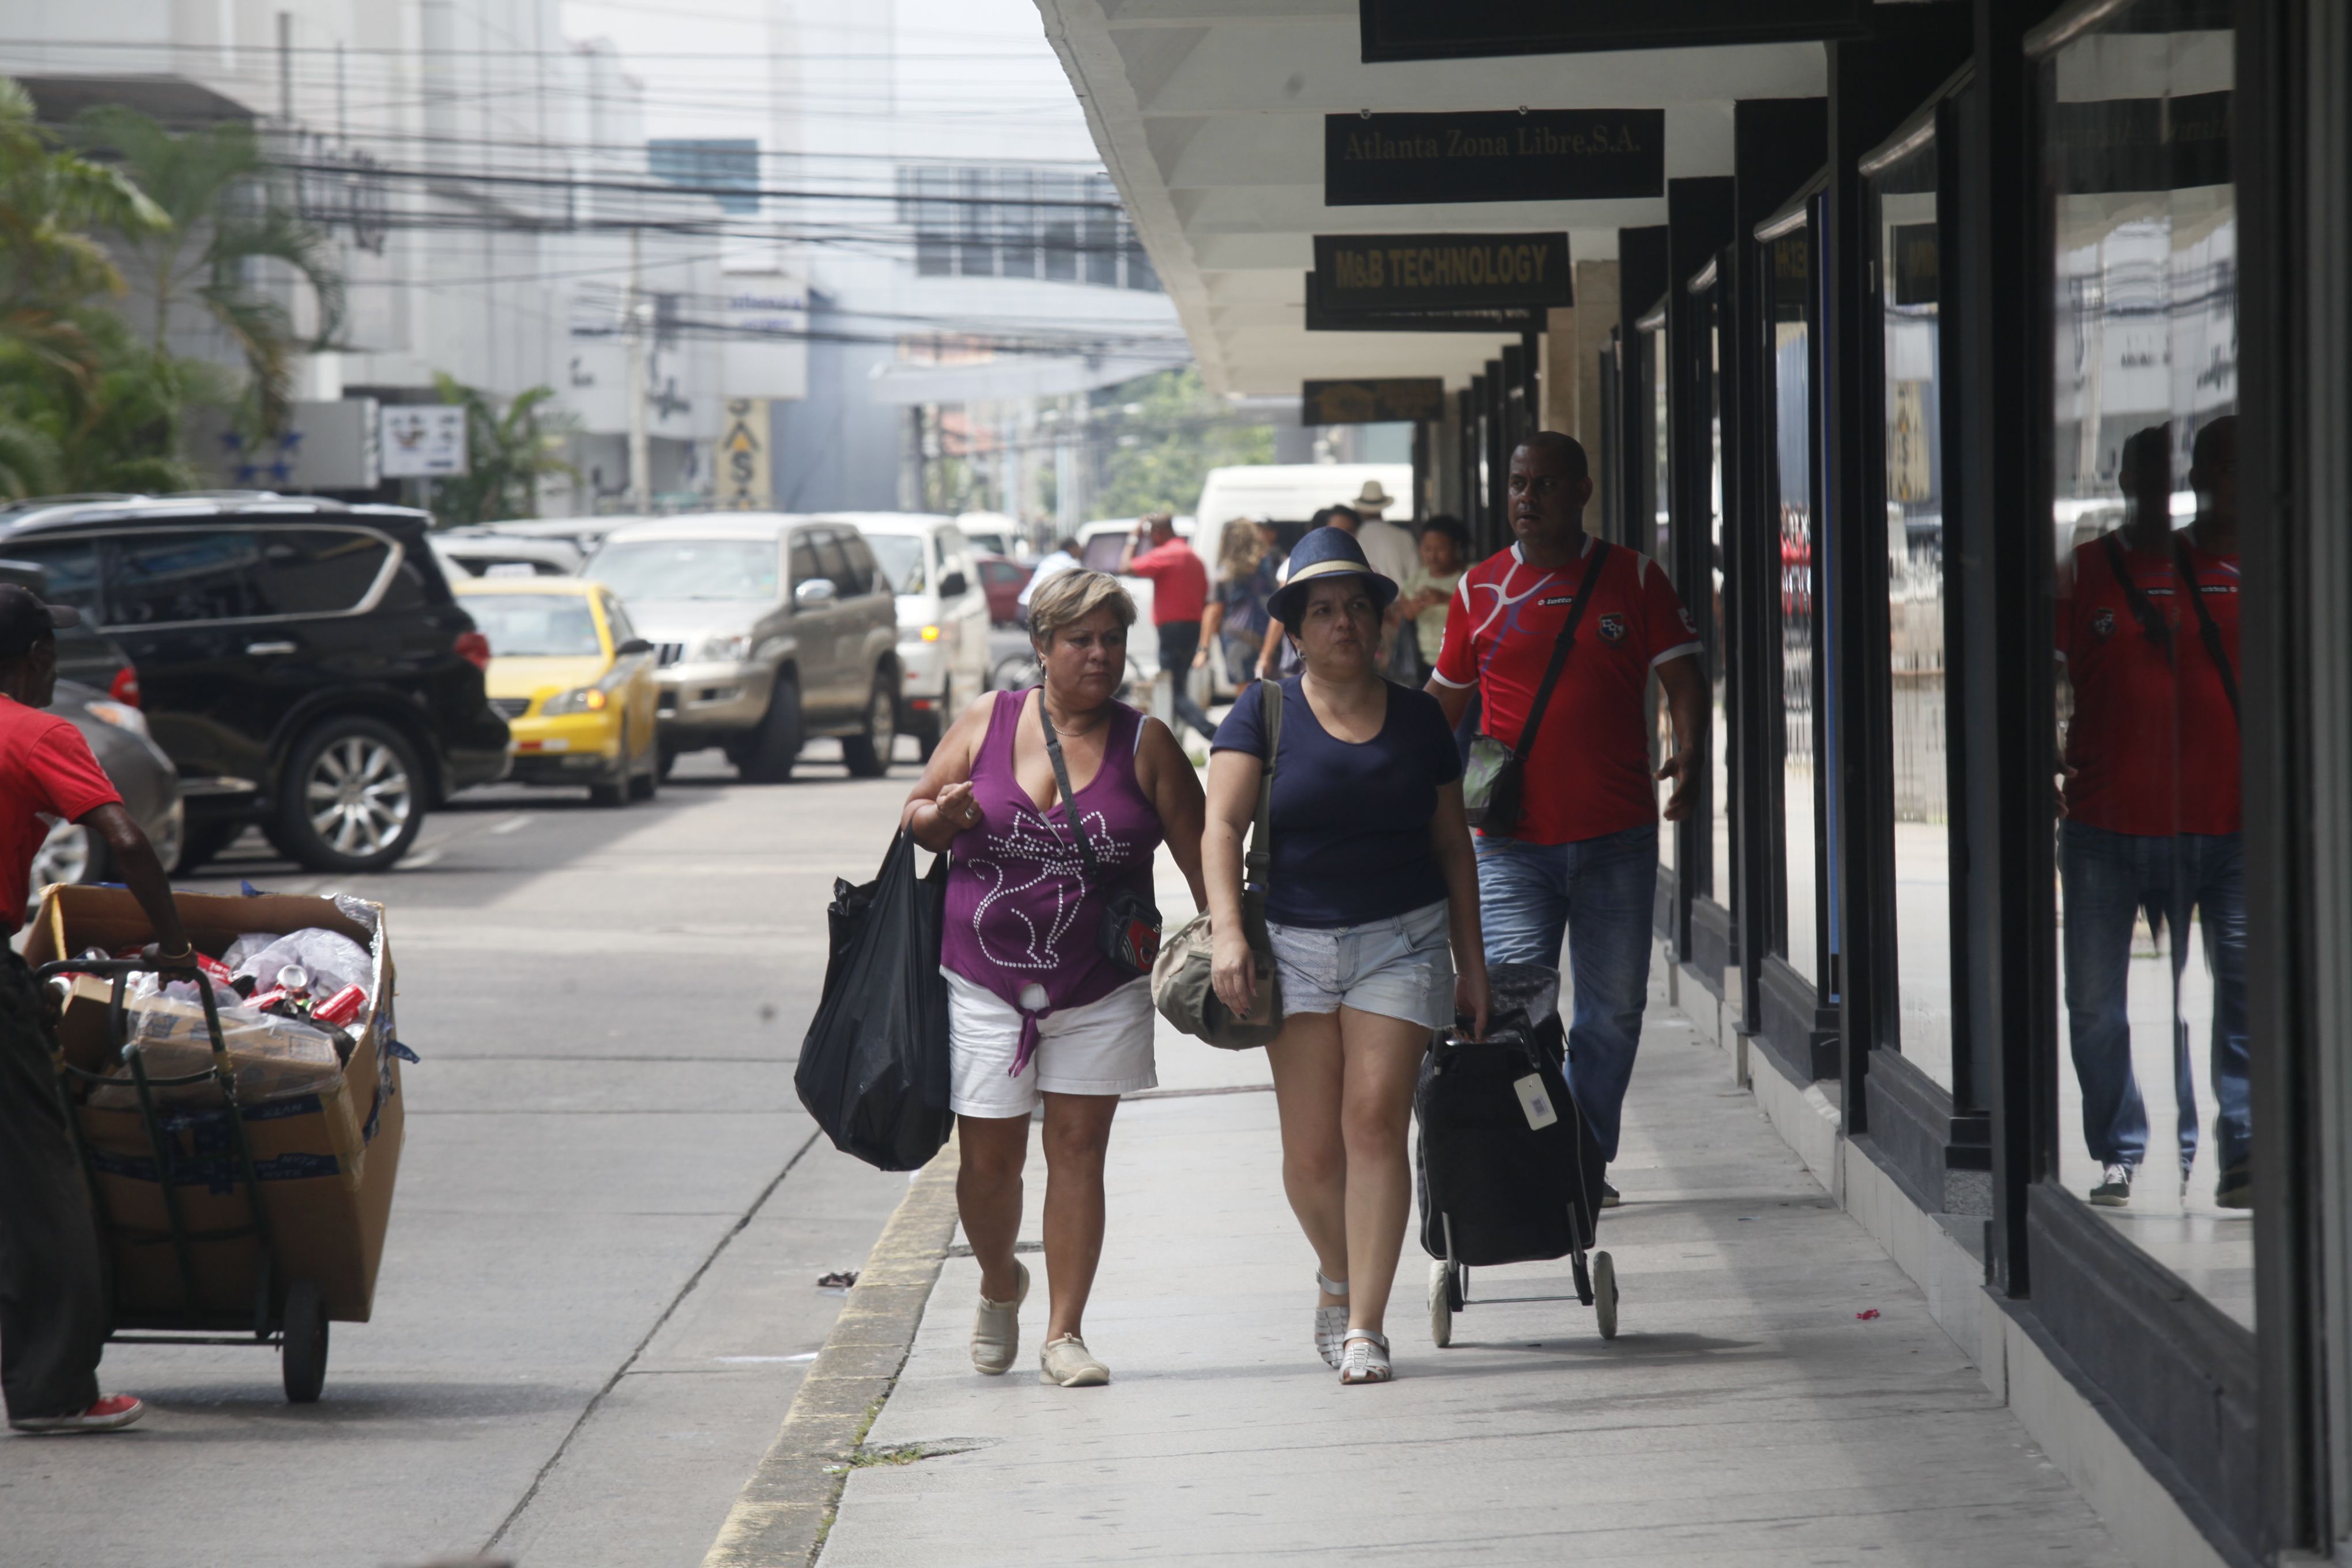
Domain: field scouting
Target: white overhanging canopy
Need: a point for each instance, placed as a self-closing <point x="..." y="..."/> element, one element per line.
<point x="1209" y="115"/>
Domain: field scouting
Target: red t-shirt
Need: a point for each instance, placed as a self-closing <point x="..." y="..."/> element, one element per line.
<point x="2152" y="741"/>
<point x="46" y="776"/>
<point x="1590" y="774"/>
<point x="1179" y="582"/>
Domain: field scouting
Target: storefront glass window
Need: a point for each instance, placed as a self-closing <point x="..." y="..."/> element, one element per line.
<point x="1909" y="274"/>
<point x="1790" y="258"/>
<point x="1717" y="883"/>
<point x="1661" y="548"/>
<point x="2153" y="1114"/>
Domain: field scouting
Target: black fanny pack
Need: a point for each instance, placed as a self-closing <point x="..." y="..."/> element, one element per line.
<point x="1130" y="927"/>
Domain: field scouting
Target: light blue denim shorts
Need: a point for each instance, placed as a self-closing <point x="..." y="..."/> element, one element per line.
<point x="1399" y="968"/>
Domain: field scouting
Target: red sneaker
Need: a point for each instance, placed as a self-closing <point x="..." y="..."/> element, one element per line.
<point x="110" y="1413"/>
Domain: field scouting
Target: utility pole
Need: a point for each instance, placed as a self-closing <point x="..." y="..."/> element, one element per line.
<point x="633" y="327"/>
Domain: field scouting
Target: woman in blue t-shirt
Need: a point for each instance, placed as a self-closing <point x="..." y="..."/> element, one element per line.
<point x="1372" y="879"/>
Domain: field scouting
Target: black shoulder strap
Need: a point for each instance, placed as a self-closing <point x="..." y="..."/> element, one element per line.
<point x="1062" y="779"/>
<point x="1260" y="854"/>
<point x="1565" y="641"/>
<point x="2145" y="613"/>
<point x="2206" y="630"/>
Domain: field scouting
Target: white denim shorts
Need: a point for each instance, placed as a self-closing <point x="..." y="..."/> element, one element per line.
<point x="1102" y="1047"/>
<point x="1399" y="968"/>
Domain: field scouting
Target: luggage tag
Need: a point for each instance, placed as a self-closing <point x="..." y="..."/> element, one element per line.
<point x="1535" y="1101"/>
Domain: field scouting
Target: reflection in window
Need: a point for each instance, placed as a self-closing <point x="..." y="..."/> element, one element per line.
<point x="2144" y="547"/>
<point x="1909" y="271"/>
<point x="1662" y="550"/>
<point x="1790" y="259"/>
<point x="1718" y="743"/>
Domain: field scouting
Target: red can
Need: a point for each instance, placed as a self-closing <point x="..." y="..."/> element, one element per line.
<point x="341" y="1007"/>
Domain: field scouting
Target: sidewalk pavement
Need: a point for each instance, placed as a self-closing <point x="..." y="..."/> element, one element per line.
<point x="1744" y="1414"/>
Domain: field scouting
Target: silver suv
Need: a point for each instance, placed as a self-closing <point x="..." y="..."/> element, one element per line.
<point x="769" y="628"/>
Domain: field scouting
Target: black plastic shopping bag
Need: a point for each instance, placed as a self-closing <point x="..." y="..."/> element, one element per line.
<point x="874" y="1067"/>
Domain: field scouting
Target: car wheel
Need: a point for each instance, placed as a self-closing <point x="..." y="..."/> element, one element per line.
<point x="867" y="752"/>
<point x="203" y="841"/>
<point x="71" y="853"/>
<point x="766" y="755"/>
<point x="1014" y="672"/>
<point x="352" y="797"/>
<point x="665" y="758"/>
<point x="647" y="783"/>
<point x="615" y="791"/>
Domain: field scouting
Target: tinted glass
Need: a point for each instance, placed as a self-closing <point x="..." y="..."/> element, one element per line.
<point x="1661" y="546"/>
<point x="2145" y="571"/>
<point x="616" y="618"/>
<point x="900" y="556"/>
<point x="71" y="566"/>
<point x="318" y="571"/>
<point x="1909" y="274"/>
<point x="1718" y="880"/>
<point x="861" y="565"/>
<point x="1790" y="261"/>
<point x="185" y="574"/>
<point x="833" y="563"/>
<point x="805" y="566"/>
<point x="727" y="569"/>
<point x="535" y="626"/>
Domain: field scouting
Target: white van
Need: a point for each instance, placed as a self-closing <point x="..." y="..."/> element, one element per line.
<point x="1101" y="546"/>
<point x="1288" y="494"/>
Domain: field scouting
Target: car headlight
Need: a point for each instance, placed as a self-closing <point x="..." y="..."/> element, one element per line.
<point x="728" y="647"/>
<point x="584" y="699"/>
<point x="121" y="715"/>
<point x="922" y="634"/>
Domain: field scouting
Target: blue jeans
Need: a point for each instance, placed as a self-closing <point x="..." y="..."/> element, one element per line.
<point x="2108" y="879"/>
<point x="1596" y="896"/>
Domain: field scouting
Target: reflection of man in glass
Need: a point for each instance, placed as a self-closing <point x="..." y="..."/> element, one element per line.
<point x="2147" y="628"/>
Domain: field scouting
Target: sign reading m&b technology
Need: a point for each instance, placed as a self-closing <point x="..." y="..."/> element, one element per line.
<point x="1443" y="272"/>
<point x="1494" y="155"/>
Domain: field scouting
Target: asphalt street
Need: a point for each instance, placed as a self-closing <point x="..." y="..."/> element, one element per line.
<point x="599" y="1291"/>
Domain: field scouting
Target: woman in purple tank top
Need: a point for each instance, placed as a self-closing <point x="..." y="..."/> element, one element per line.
<point x="1035" y="1009"/>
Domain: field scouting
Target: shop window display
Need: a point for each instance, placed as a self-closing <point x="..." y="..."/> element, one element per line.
<point x="1790" y="258"/>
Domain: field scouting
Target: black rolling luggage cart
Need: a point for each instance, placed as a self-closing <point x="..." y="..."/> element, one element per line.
<point x="1506" y="1169"/>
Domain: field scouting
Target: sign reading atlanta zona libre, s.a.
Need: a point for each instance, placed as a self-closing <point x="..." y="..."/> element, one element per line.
<point x="1494" y="155"/>
<point x="1443" y="272"/>
<point x="1466" y="29"/>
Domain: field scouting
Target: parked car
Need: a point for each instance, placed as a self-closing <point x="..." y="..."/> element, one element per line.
<point x="483" y="552"/>
<point x="574" y="683"/>
<point x="1002" y="581"/>
<point x="302" y="662"/>
<point x="990" y="531"/>
<point x="943" y="615"/>
<point x="583" y="534"/>
<point x="768" y="628"/>
<point x="134" y="764"/>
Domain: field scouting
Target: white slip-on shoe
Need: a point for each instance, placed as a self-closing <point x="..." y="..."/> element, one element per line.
<point x="1067" y="1362"/>
<point x="1330" y="1322"/>
<point x="996" y="1329"/>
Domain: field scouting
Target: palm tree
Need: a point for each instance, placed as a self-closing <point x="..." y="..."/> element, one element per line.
<point x="508" y="454"/>
<point x="222" y="199"/>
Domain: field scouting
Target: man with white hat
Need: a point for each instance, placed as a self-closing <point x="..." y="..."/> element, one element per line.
<point x="1394" y="553"/>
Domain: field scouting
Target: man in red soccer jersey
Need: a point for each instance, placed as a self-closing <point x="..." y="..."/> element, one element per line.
<point x="1179" y="598"/>
<point x="53" y="1308"/>
<point x="1581" y="863"/>
<point x="2147" y="633"/>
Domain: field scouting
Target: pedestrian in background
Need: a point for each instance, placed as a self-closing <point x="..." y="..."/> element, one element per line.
<point x="1063" y="558"/>
<point x="1371" y="882"/>
<point x="1277" y="656"/>
<point x="1444" y="546"/>
<point x="1037" y="1008"/>
<point x="54" y="1316"/>
<point x="1580" y="865"/>
<point x="1179" y="598"/>
<point x="1236" y="618"/>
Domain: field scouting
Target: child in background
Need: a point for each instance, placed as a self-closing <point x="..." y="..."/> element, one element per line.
<point x="1430" y="587"/>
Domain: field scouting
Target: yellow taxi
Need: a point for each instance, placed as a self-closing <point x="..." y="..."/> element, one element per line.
<point x="575" y="682"/>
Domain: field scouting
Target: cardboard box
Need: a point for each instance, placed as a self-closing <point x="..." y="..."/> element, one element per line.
<point x="326" y="1160"/>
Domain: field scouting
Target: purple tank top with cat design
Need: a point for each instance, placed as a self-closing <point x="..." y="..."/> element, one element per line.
<point x="1020" y="919"/>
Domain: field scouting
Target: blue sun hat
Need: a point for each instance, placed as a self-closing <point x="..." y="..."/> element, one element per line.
<point x="1326" y="552"/>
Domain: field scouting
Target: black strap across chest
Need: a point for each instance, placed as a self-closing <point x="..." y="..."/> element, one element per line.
<point x="1559" y="649"/>
<point x="2152" y="621"/>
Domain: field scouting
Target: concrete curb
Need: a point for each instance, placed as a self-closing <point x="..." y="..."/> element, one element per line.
<point x="779" y="1519"/>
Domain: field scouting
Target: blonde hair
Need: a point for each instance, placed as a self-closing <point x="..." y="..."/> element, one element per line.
<point x="1067" y="597"/>
<point x="1239" y="549"/>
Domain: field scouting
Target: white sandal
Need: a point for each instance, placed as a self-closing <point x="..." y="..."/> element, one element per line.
<point x="1366" y="1358"/>
<point x="1330" y="1322"/>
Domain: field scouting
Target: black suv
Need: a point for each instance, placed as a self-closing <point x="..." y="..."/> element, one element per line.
<point x="302" y="661"/>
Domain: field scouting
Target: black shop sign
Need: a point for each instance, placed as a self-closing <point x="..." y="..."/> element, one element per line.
<point x="1378" y="401"/>
<point x="1499" y="155"/>
<point x="1443" y="272"/>
<point x="1323" y="316"/>
<point x="1466" y="29"/>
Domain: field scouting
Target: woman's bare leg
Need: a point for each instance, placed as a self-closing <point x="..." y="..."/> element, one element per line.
<point x="1306" y="1060"/>
<point x="1381" y="1063"/>
<point x="993" y="1150"/>
<point x="1078" y="1137"/>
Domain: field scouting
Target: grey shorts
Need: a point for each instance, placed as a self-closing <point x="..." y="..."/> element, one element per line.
<point x="1399" y="968"/>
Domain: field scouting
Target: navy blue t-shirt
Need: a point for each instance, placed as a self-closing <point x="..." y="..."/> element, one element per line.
<point x="1350" y="822"/>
